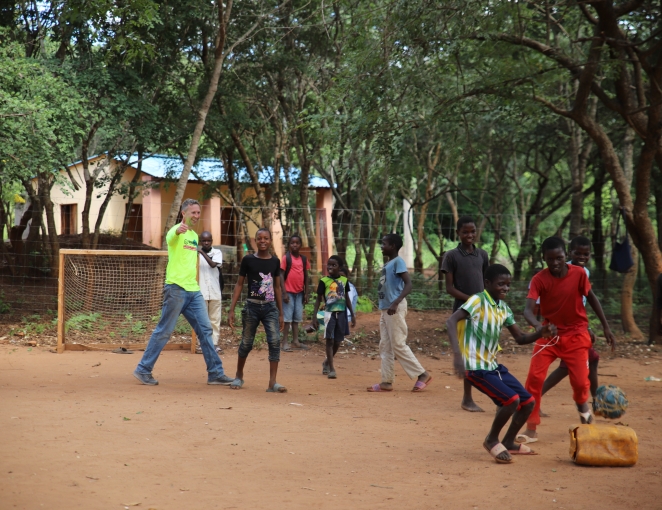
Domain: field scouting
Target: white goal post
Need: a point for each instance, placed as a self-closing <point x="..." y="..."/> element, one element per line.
<point x="108" y="299"/>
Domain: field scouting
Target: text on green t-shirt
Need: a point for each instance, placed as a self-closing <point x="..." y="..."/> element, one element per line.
<point x="182" y="259"/>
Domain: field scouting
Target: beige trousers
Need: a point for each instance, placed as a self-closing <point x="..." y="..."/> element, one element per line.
<point x="393" y="344"/>
<point x="214" y="310"/>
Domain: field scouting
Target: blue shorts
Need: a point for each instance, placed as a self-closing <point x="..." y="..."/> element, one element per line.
<point x="336" y="326"/>
<point x="293" y="311"/>
<point x="500" y="385"/>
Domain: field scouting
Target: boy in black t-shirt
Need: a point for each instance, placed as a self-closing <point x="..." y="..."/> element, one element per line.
<point x="263" y="304"/>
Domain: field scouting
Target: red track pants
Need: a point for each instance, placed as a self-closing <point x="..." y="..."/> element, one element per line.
<point x="571" y="348"/>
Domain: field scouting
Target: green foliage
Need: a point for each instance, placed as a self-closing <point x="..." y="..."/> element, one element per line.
<point x="130" y="326"/>
<point x="5" y="307"/>
<point x="40" y="114"/>
<point x="182" y="327"/>
<point x="83" y="322"/>
<point x="260" y="340"/>
<point x="364" y="305"/>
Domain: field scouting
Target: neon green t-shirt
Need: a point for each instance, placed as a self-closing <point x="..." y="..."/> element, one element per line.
<point x="182" y="259"/>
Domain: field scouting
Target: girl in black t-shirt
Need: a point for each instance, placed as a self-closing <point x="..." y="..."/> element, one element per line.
<point x="263" y="304"/>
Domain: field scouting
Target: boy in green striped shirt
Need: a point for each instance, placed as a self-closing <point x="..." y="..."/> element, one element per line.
<point x="478" y="323"/>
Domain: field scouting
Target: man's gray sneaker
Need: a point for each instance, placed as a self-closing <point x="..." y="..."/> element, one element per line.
<point x="224" y="380"/>
<point x="146" y="378"/>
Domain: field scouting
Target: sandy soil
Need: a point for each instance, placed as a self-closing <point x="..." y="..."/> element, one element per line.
<point x="80" y="432"/>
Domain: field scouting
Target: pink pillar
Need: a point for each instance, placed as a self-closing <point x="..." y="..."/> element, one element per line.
<point x="152" y="215"/>
<point x="211" y="218"/>
<point x="324" y="231"/>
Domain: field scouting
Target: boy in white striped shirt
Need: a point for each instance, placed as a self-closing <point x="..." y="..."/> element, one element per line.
<point x="478" y="323"/>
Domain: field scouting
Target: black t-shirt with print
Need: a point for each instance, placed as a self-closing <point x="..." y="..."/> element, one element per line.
<point x="261" y="274"/>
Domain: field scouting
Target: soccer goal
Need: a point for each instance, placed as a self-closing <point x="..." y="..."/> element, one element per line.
<point x="108" y="299"/>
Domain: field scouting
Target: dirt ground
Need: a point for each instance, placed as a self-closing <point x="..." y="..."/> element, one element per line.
<point x="80" y="432"/>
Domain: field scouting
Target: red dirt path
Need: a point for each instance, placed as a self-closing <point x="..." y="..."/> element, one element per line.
<point x="80" y="432"/>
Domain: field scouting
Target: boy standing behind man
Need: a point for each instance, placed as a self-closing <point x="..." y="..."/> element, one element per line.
<point x="394" y="286"/>
<point x="464" y="269"/>
<point x="211" y="261"/>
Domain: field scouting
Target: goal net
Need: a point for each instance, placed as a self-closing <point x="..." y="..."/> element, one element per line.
<point x="108" y="299"/>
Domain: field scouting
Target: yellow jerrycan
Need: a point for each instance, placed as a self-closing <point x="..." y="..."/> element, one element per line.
<point x="603" y="445"/>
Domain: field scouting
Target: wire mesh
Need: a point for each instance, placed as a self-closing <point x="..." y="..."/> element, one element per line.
<point x="27" y="288"/>
<point x="115" y="298"/>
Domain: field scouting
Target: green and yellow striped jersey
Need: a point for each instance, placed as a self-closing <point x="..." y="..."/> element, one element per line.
<point x="479" y="333"/>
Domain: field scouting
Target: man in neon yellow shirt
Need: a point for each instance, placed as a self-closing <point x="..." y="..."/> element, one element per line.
<point x="181" y="295"/>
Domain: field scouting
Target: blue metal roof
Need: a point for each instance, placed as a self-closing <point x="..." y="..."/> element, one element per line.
<point x="210" y="169"/>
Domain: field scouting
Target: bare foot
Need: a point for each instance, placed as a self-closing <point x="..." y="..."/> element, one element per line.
<point x="471" y="407"/>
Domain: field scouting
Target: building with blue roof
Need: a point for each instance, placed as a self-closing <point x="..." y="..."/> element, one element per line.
<point x="156" y="182"/>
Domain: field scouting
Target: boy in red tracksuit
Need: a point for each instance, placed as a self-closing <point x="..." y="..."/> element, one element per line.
<point x="561" y="289"/>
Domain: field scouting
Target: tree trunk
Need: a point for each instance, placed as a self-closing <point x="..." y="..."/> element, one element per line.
<point x="52" y="232"/>
<point x="4" y="222"/>
<point x="579" y="157"/>
<point x="356" y="217"/>
<point x="597" y="237"/>
<point x="117" y="176"/>
<point x="219" y="57"/>
<point x="131" y="196"/>
<point x="630" y="278"/>
<point x="308" y="220"/>
<point x="265" y="210"/>
<point x="657" y="191"/>
<point x="627" y="317"/>
<point x="33" y="242"/>
<point x="637" y="220"/>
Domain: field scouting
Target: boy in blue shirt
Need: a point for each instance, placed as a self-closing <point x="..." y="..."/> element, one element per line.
<point x="394" y="286"/>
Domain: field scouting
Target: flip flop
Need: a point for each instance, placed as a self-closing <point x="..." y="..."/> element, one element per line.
<point x="236" y="384"/>
<point x="496" y="450"/>
<point x="523" y="450"/>
<point x="287" y="349"/>
<point x="278" y="388"/>
<point x="420" y="385"/>
<point x="376" y="388"/>
<point x="122" y="350"/>
<point x="524" y="439"/>
<point x="302" y="347"/>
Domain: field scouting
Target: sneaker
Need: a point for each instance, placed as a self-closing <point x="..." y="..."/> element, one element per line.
<point x="332" y="375"/>
<point x="145" y="378"/>
<point x="223" y="380"/>
<point x="198" y="350"/>
<point x="218" y="349"/>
